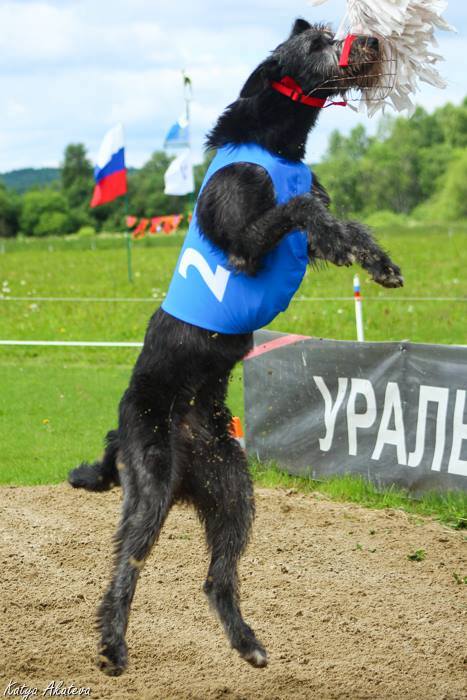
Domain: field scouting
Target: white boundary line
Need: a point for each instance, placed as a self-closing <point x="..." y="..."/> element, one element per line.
<point x="104" y="344"/>
<point x="392" y="299"/>
<point x="72" y="343"/>
<point x="85" y="299"/>
<point x="154" y="300"/>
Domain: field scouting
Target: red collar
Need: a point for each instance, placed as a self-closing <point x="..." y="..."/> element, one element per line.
<point x="288" y="87"/>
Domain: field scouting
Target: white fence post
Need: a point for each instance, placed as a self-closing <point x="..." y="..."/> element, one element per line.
<point x="358" y="309"/>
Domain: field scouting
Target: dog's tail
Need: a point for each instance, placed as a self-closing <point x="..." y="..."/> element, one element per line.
<point x="99" y="476"/>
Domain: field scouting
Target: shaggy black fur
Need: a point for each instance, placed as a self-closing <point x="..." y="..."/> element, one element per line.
<point x="173" y="438"/>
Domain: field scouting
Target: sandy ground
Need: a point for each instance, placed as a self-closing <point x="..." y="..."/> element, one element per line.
<point x="328" y="588"/>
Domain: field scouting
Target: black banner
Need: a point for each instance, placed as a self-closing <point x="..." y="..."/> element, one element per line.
<point x="395" y="413"/>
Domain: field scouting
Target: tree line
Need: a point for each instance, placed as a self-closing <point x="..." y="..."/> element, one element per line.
<point x="62" y="206"/>
<point x="413" y="167"/>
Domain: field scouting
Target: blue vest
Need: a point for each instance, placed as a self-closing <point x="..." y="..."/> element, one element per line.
<point x="206" y="292"/>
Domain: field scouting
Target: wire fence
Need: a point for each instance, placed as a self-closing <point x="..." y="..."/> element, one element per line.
<point x="99" y="242"/>
<point x="154" y="299"/>
<point x="73" y="343"/>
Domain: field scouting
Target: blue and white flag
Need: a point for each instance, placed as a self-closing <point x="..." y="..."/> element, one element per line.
<point x="178" y="178"/>
<point x="179" y="134"/>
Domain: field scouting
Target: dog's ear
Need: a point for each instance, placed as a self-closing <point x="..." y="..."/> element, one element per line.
<point x="261" y="77"/>
<point x="300" y="25"/>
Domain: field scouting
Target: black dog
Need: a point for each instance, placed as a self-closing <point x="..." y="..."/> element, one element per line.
<point x="173" y="440"/>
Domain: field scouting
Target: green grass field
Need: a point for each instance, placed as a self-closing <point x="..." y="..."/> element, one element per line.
<point x="52" y="410"/>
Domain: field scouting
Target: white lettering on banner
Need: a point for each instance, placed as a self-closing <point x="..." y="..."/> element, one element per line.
<point x="216" y="281"/>
<point x="355" y="420"/>
<point x="330" y="411"/>
<point x="387" y="435"/>
<point x="393" y="415"/>
<point x="456" y="464"/>
<point x="440" y="395"/>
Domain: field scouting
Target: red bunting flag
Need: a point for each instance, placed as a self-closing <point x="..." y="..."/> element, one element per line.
<point x="140" y="229"/>
<point x="166" y="224"/>
<point x="156" y="224"/>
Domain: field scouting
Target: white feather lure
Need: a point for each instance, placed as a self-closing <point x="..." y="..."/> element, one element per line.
<point x="406" y="29"/>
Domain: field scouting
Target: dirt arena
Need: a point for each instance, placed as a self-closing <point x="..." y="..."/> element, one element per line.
<point x="327" y="586"/>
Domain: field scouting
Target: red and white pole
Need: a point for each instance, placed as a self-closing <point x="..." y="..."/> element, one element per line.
<point x="358" y="309"/>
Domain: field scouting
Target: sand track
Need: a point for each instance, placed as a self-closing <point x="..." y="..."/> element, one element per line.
<point x="327" y="587"/>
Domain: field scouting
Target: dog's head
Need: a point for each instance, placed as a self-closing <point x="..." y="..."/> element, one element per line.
<point x="311" y="56"/>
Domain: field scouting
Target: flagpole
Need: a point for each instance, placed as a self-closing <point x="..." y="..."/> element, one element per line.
<point x="127" y="235"/>
<point x="187" y="90"/>
<point x="128" y="241"/>
<point x="188" y="94"/>
<point x="178" y="178"/>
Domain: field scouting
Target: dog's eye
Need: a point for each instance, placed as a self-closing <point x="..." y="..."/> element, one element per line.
<point x="318" y="43"/>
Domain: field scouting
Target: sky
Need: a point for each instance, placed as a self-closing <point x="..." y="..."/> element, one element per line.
<point x="70" y="69"/>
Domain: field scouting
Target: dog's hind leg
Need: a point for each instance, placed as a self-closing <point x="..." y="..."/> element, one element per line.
<point x="221" y="490"/>
<point x="101" y="475"/>
<point x="228" y="512"/>
<point x="148" y="493"/>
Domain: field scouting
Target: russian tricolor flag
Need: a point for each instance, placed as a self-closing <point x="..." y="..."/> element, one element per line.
<point x="110" y="170"/>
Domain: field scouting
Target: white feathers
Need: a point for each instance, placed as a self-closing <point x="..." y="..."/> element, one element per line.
<point x="407" y="30"/>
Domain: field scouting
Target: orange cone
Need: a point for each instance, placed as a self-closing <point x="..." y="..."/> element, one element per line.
<point x="236" y="430"/>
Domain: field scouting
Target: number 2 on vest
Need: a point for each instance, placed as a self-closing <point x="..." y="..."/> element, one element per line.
<point x="215" y="281"/>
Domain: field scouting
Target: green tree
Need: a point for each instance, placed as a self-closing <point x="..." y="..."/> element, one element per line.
<point x="423" y="129"/>
<point x="36" y="213"/>
<point x="405" y="165"/>
<point x="340" y="170"/>
<point x="147" y="188"/>
<point x="77" y="185"/>
<point x="453" y="123"/>
<point x="9" y="209"/>
<point x="389" y="178"/>
<point x="433" y="164"/>
<point x="52" y="223"/>
<point x="450" y="204"/>
<point x="76" y="176"/>
<point x="408" y="166"/>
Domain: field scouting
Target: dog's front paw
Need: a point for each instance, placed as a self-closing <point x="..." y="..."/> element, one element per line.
<point x="112" y="658"/>
<point x="388" y="275"/>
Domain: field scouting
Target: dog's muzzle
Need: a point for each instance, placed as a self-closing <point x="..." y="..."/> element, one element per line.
<point x="370" y="41"/>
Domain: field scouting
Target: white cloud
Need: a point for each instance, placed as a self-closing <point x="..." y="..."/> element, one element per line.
<point x="14" y="109"/>
<point x="35" y="32"/>
<point x="71" y="68"/>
